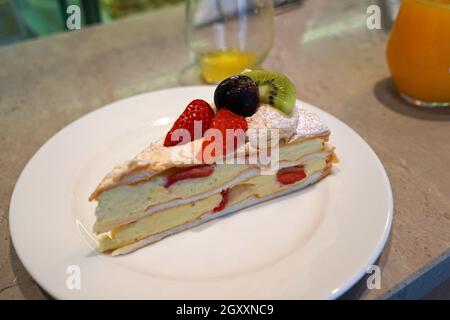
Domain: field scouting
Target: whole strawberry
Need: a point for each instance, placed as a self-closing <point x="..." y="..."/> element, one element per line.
<point x="197" y="110"/>
<point x="224" y="120"/>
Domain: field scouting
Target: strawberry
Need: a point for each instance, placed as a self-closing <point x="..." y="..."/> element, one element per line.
<point x="197" y="110"/>
<point x="223" y="202"/>
<point x="189" y="173"/>
<point x="290" y="175"/>
<point x="223" y="120"/>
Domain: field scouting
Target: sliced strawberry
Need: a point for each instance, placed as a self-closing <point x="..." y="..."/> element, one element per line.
<point x="224" y="201"/>
<point x="290" y="175"/>
<point x="197" y="110"/>
<point x="223" y="121"/>
<point x="189" y="173"/>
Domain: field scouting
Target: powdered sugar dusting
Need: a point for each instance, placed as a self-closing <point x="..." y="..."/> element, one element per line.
<point x="267" y="117"/>
<point x="309" y="124"/>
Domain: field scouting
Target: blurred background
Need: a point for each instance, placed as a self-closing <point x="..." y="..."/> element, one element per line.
<point x="25" y="19"/>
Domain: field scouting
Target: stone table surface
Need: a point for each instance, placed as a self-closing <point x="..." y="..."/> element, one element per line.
<point x="324" y="46"/>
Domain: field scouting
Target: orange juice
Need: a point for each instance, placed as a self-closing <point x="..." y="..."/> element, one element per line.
<point x="219" y="65"/>
<point x="419" y="51"/>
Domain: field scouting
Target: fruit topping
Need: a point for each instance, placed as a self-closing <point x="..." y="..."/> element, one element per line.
<point x="290" y="175"/>
<point x="225" y="123"/>
<point x="224" y="201"/>
<point x="197" y="110"/>
<point x="238" y="94"/>
<point x="189" y="173"/>
<point x="275" y="89"/>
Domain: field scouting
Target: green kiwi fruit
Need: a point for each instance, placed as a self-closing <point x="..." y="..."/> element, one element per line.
<point x="275" y="89"/>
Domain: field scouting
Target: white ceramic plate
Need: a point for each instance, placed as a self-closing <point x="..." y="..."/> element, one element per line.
<point x="313" y="244"/>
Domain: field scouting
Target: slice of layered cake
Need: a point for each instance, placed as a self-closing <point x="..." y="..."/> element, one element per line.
<point x="256" y="144"/>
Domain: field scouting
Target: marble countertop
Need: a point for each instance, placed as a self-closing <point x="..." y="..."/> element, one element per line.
<point x="326" y="49"/>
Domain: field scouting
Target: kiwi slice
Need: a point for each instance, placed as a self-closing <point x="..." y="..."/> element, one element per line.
<point x="275" y="89"/>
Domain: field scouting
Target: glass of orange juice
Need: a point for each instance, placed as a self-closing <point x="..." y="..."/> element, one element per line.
<point x="228" y="36"/>
<point x="418" y="52"/>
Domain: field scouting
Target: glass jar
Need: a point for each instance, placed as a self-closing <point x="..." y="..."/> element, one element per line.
<point x="228" y="36"/>
<point x="418" y="52"/>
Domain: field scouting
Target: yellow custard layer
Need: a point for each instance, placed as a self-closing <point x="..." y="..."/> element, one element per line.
<point x="129" y="202"/>
<point x="259" y="187"/>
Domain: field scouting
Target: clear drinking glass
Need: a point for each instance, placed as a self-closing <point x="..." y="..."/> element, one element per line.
<point x="419" y="52"/>
<point x="228" y="36"/>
